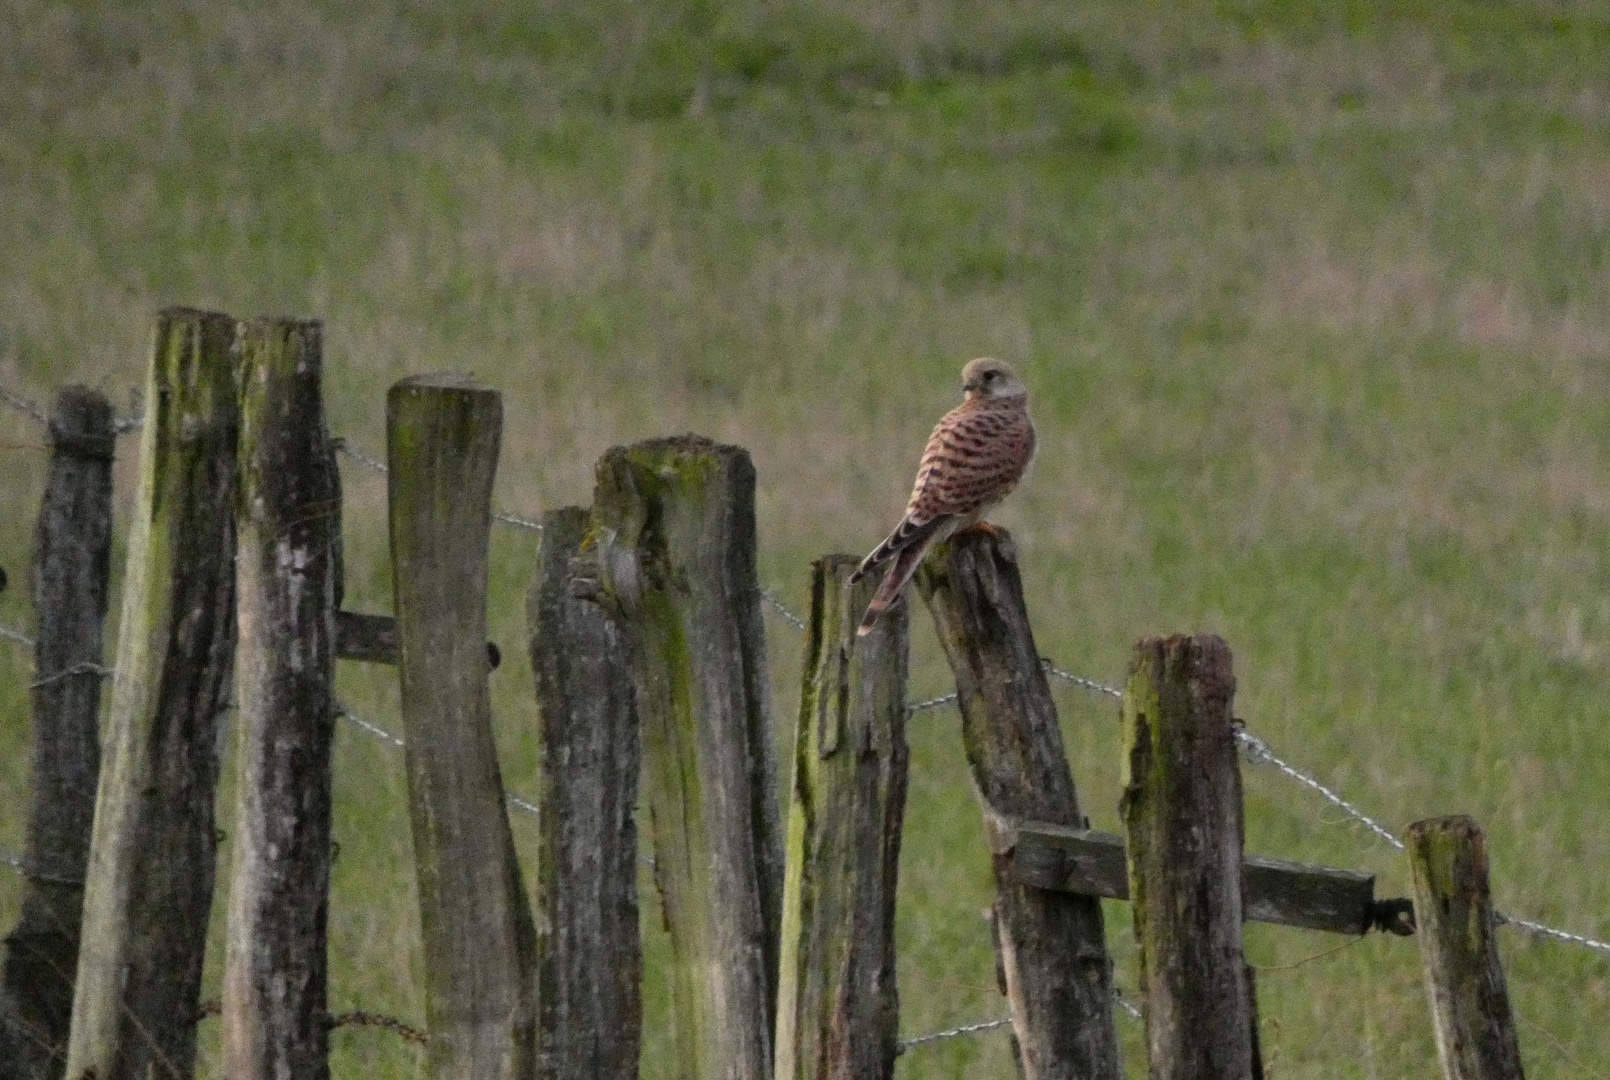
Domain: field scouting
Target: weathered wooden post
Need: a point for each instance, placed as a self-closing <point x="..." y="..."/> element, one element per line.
<point x="589" y="959"/>
<point x="1181" y="807"/>
<point x="1453" y="909"/>
<point x="274" y="1000"/>
<point x="1053" y="949"/>
<point x="151" y="860"/>
<point x="837" y="1002"/>
<point x="72" y="562"/>
<point x="442" y="435"/>
<point x="675" y="524"/>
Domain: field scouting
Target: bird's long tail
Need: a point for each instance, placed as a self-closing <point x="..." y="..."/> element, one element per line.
<point x="905" y="564"/>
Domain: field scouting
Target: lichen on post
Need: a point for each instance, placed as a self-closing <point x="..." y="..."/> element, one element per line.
<point x="838" y="1007"/>
<point x="442" y="435"/>
<point x="1052" y="946"/>
<point x="275" y="972"/>
<point x="151" y="863"/>
<point x="1181" y="807"/>
<point x="1457" y="930"/>
<point x="589" y="957"/>
<point x="674" y="546"/>
<point x="72" y="565"/>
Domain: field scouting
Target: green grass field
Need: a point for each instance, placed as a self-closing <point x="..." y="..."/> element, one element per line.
<point x="1313" y="301"/>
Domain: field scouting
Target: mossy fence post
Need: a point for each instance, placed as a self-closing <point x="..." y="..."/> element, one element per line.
<point x="1181" y="807"/>
<point x="1457" y="929"/>
<point x="837" y="1003"/>
<point x="675" y="549"/>
<point x="1053" y="951"/>
<point x="275" y="972"/>
<point x="442" y="436"/>
<point x="72" y="565"/>
<point x="589" y="958"/>
<point x="151" y="862"/>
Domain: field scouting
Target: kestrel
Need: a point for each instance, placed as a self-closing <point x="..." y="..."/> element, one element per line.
<point x="974" y="458"/>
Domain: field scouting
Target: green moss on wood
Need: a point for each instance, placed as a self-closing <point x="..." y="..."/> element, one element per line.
<point x="151" y="859"/>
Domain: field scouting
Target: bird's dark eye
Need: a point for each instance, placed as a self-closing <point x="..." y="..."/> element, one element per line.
<point x="989" y="376"/>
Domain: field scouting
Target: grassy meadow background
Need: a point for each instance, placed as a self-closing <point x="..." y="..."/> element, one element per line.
<point x="1313" y="300"/>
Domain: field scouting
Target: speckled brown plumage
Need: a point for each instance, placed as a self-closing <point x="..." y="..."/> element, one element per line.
<point x="976" y="455"/>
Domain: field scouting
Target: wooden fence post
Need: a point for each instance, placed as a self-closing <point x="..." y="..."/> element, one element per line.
<point x="72" y="563"/>
<point x="837" y="1003"/>
<point x="675" y="521"/>
<point x="1053" y="949"/>
<point x="151" y="861"/>
<point x="1453" y="909"/>
<point x="274" y="1000"/>
<point x="589" y="959"/>
<point x="1181" y="807"/>
<point x="442" y="435"/>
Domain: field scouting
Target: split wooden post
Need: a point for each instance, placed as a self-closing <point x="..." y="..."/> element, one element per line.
<point x="1457" y="929"/>
<point x="72" y="561"/>
<point x="675" y="523"/>
<point x="1181" y="807"/>
<point x="275" y="972"/>
<point x="1053" y="948"/>
<point x="442" y="436"/>
<point x="589" y="959"/>
<point x="837" y="1002"/>
<point x="151" y="862"/>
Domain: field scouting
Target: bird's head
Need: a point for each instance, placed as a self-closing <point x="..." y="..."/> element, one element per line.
<point x="985" y="377"/>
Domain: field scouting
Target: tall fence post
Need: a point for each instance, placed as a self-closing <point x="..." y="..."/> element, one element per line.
<point x="1181" y="807"/>
<point x="274" y="994"/>
<point x="675" y="522"/>
<point x="589" y="959"/>
<point x="442" y="435"/>
<point x="837" y="1002"/>
<point x="72" y="562"/>
<point x="1053" y="948"/>
<point x="151" y="861"/>
<point x="1464" y="976"/>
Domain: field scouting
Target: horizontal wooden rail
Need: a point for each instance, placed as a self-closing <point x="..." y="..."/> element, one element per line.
<point x="1092" y="863"/>
<point x="373" y="638"/>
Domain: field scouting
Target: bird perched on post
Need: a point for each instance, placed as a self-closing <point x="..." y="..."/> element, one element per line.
<point x="975" y="457"/>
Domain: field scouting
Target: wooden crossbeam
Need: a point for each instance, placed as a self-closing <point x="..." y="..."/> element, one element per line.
<point x="1092" y="863"/>
<point x="373" y="638"/>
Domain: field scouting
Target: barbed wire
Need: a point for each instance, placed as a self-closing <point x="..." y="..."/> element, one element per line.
<point x="24" y="406"/>
<point x="374" y="464"/>
<point x="1259" y="753"/>
<point x="369" y="727"/>
<point x="982" y="1026"/>
<point x="356" y="1018"/>
<point x="32" y="409"/>
<point x="1540" y="930"/>
<point x="933" y="702"/>
<point x="1081" y="681"/>
<point x="782" y="609"/>
<point x="85" y="668"/>
<point x="951" y="1033"/>
<point x="1256" y="749"/>
<point x="342" y="446"/>
<point x="517" y="521"/>
<point x="20" y="865"/>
